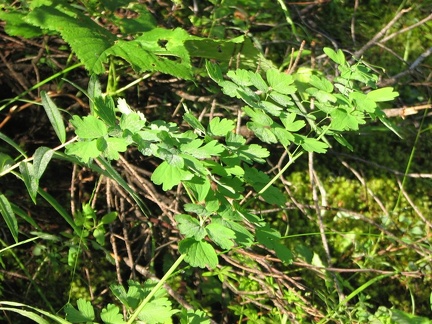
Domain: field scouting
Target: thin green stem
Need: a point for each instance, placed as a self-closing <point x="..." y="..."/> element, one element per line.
<point x="286" y="166"/>
<point x="410" y="159"/>
<point x="155" y="289"/>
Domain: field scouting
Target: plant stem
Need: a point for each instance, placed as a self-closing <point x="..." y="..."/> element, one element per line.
<point x="155" y="289"/>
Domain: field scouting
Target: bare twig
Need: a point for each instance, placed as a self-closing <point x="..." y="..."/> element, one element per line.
<point x="364" y="184"/>
<point x="405" y="111"/>
<point x="410" y="70"/>
<point x="416" y="209"/>
<point x="292" y="67"/>
<point x="403" y="30"/>
<point x="380" y="34"/>
<point x="319" y="212"/>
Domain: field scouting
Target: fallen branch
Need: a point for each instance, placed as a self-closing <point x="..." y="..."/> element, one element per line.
<point x="405" y="111"/>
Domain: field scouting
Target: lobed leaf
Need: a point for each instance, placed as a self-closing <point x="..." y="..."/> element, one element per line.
<point x="198" y="253"/>
<point x="169" y="175"/>
<point x="221" y="235"/>
<point x="383" y="94"/>
<point x="190" y="227"/>
<point x="338" y="57"/>
<point x="280" y="81"/>
<point x="111" y="315"/>
<point x="89" y="127"/>
<point x="220" y="127"/>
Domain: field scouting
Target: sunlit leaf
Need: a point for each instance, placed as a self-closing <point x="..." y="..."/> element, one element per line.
<point x="85" y="150"/>
<point x="198" y="253"/>
<point x="314" y="145"/>
<point x="280" y="82"/>
<point x="89" y="127"/>
<point x="111" y="315"/>
<point x="220" y="127"/>
<point x="383" y="94"/>
<point x="85" y="312"/>
<point x="169" y="175"/>
<point x="338" y="57"/>
<point x="221" y="235"/>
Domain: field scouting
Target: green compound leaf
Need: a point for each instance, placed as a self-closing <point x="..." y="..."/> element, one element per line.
<point x="85" y="151"/>
<point x="363" y="102"/>
<point x="280" y="81"/>
<point x="258" y="116"/>
<point x="220" y="127"/>
<point x="89" y="127"/>
<point x="321" y="83"/>
<point x="344" y="120"/>
<point x="195" y="149"/>
<point x="338" y="57"/>
<point x="132" y="122"/>
<point x="169" y="175"/>
<point x="104" y="108"/>
<point x="258" y="82"/>
<point x="54" y="116"/>
<point x="264" y="134"/>
<point x="198" y="253"/>
<point x="314" y="145"/>
<point x="383" y="94"/>
<point x="253" y="152"/>
<point x="158" y="310"/>
<point x="113" y="147"/>
<point x="84" y="313"/>
<point x="190" y="227"/>
<point x="289" y="123"/>
<point x="9" y="216"/>
<point x="242" y="236"/>
<point x="221" y="235"/>
<point x="111" y="315"/>
<point x="240" y="77"/>
<point x="200" y="187"/>
<point x="214" y="71"/>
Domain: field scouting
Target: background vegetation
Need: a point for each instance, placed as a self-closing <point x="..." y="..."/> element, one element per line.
<point x="88" y="233"/>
